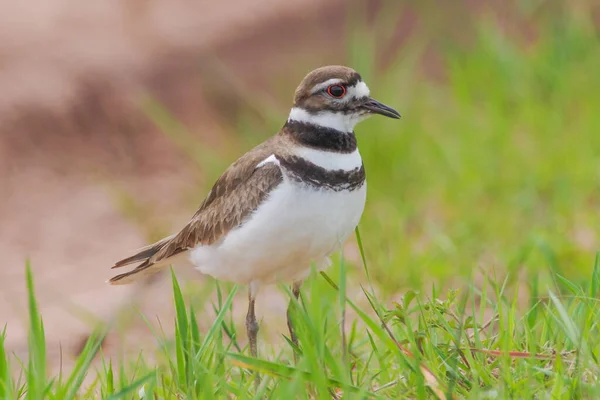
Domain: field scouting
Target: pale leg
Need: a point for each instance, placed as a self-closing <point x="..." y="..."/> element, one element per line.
<point x="251" y="323"/>
<point x="296" y="292"/>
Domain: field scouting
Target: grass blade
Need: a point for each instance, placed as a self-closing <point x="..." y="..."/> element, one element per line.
<point x="126" y="391"/>
<point x="7" y="390"/>
<point x="36" y="369"/>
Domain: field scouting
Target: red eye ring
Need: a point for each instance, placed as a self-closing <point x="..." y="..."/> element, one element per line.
<point x="334" y="91"/>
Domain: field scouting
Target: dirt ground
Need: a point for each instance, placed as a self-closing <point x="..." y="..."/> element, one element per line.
<point x="71" y="74"/>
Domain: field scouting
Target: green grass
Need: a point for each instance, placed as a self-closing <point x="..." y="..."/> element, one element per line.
<point x="419" y="347"/>
<point x="482" y="224"/>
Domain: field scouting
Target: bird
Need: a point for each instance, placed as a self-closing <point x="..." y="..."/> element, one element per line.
<point x="286" y="205"/>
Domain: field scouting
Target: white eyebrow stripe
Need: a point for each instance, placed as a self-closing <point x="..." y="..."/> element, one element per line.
<point x="323" y="85"/>
<point x="359" y="90"/>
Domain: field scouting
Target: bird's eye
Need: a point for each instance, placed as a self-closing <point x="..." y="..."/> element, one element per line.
<point x="337" y="91"/>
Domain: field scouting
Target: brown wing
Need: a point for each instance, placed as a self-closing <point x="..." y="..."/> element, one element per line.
<point x="224" y="212"/>
<point x="238" y="192"/>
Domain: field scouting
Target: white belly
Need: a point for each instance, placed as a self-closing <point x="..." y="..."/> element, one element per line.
<point x="296" y="226"/>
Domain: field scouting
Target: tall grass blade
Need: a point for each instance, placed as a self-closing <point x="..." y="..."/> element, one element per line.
<point x="7" y="390"/>
<point x="36" y="368"/>
<point x="595" y="283"/>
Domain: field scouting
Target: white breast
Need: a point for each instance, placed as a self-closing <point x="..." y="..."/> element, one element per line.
<point x="296" y="225"/>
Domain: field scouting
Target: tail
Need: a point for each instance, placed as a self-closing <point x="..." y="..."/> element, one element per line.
<point x="146" y="268"/>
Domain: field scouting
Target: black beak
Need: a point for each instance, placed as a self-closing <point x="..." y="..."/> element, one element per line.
<point x="376" y="107"/>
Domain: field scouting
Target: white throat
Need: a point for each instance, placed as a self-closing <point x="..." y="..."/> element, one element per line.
<point x="327" y="119"/>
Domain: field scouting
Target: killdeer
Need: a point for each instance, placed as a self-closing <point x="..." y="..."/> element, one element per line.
<point x="289" y="202"/>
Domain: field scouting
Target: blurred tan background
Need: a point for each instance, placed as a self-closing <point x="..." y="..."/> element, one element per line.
<point x="73" y="135"/>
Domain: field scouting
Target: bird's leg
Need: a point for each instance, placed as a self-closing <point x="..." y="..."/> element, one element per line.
<point x="251" y="324"/>
<point x="296" y="292"/>
<point x="252" y="327"/>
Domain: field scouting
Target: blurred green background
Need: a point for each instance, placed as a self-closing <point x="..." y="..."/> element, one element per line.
<point x="496" y="164"/>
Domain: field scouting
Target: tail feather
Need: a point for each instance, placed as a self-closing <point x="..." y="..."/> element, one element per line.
<point x="146" y="268"/>
<point x="144" y="253"/>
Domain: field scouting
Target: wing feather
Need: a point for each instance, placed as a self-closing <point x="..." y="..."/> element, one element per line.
<point x="232" y="199"/>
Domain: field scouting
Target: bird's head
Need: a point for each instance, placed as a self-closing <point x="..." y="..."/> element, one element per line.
<point x="336" y="97"/>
